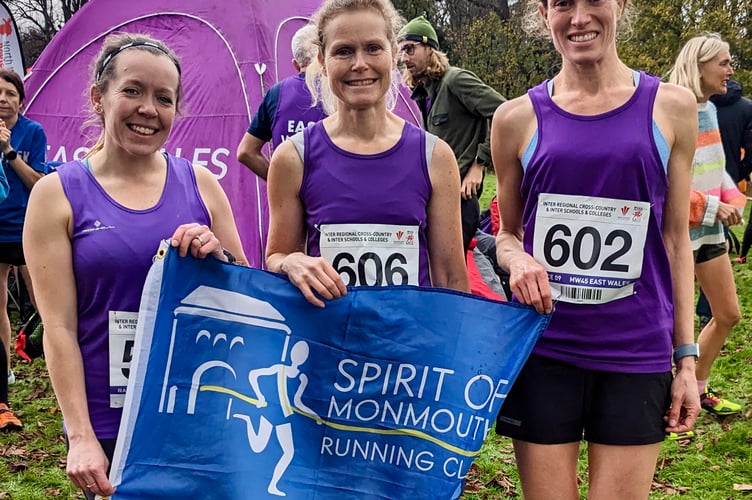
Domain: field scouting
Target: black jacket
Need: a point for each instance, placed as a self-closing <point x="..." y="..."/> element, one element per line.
<point x="735" y="120"/>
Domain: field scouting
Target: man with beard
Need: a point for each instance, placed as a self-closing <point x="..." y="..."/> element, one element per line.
<point x="455" y="105"/>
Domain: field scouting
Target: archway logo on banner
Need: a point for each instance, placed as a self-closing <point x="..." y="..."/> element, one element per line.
<point x="231" y="52"/>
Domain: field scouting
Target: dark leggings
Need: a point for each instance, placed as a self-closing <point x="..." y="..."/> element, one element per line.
<point x="470" y="210"/>
<point x="747" y="239"/>
<point x="3" y="375"/>
<point x="108" y="445"/>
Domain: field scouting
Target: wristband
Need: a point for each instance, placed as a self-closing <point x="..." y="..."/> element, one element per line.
<point x="684" y="350"/>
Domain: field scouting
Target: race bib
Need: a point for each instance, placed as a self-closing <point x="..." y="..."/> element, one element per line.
<point x="372" y="254"/>
<point x="122" y="328"/>
<point x="591" y="247"/>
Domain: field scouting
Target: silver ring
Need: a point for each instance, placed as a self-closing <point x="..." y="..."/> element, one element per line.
<point x="200" y="239"/>
<point x="90" y="485"/>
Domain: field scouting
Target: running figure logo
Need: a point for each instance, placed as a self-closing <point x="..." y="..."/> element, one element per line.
<point x="259" y="439"/>
<point x="241" y="311"/>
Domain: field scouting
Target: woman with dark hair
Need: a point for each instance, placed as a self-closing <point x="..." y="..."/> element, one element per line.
<point x="24" y="151"/>
<point x="94" y="227"/>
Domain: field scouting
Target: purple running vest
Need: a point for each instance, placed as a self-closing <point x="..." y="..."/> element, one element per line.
<point x="392" y="187"/>
<point x="113" y="247"/>
<point x="612" y="155"/>
<point x="294" y="111"/>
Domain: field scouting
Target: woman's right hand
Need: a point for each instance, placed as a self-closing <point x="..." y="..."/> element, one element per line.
<point x="313" y="276"/>
<point x="728" y="215"/>
<point x="87" y="467"/>
<point x="4" y="137"/>
<point x="528" y="281"/>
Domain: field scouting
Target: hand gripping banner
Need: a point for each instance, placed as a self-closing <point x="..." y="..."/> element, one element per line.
<point x="239" y="388"/>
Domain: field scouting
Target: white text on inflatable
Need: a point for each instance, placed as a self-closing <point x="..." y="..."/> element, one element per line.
<point x="213" y="159"/>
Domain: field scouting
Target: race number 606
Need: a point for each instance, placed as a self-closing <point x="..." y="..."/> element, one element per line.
<point x="559" y="247"/>
<point x="370" y="269"/>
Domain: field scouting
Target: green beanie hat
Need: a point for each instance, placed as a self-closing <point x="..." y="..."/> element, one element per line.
<point x="419" y="30"/>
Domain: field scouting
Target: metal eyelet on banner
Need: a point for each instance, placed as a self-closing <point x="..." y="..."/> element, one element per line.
<point x="162" y="252"/>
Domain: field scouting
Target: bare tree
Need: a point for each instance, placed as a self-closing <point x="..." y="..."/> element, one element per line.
<point x="33" y="42"/>
<point x="70" y="7"/>
<point x="39" y="20"/>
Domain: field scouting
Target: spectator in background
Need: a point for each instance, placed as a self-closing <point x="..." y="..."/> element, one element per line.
<point x="456" y="106"/>
<point x="287" y="107"/>
<point x="704" y="66"/>
<point x="24" y="148"/>
<point x="735" y="122"/>
<point x="8" y="421"/>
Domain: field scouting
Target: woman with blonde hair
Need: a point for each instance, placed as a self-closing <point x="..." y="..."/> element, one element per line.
<point x="600" y="226"/>
<point x="704" y="66"/>
<point x="362" y="170"/>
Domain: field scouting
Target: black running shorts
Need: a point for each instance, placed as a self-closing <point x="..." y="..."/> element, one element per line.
<point x="12" y="253"/>
<point x="709" y="252"/>
<point x="553" y="403"/>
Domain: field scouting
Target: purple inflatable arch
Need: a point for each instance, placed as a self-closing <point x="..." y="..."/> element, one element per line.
<point x="231" y="52"/>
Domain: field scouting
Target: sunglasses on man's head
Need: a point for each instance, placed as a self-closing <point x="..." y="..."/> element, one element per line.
<point x="408" y="48"/>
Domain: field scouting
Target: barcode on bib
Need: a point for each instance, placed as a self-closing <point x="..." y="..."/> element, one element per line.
<point x="584" y="294"/>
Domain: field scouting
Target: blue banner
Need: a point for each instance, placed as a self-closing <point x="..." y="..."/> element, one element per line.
<point x="241" y="389"/>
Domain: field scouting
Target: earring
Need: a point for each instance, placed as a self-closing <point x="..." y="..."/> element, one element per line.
<point x="97" y="108"/>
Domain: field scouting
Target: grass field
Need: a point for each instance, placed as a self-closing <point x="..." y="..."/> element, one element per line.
<point x="717" y="465"/>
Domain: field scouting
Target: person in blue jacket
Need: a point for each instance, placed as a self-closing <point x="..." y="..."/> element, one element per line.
<point x="24" y="152"/>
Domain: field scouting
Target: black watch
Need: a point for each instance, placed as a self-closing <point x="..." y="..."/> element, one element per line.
<point x="480" y="161"/>
<point x="11" y="155"/>
<point x="685" y="350"/>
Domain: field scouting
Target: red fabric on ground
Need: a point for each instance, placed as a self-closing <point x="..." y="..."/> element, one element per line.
<point x="495" y="221"/>
<point x="478" y="285"/>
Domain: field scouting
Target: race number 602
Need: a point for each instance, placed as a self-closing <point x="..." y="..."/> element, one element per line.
<point x="561" y="247"/>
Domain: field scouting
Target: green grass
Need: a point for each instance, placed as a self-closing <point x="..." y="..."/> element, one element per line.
<point x="489" y="190"/>
<point x="32" y="462"/>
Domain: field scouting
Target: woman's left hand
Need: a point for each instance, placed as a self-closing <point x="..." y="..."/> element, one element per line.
<point x="197" y="239"/>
